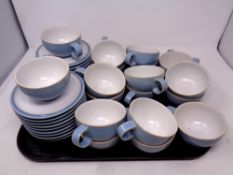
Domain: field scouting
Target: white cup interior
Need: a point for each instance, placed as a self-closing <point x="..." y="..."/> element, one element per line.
<point x="60" y="35"/>
<point x="41" y="72"/>
<point x="109" y="52"/>
<point x="169" y="59"/>
<point x="187" y="79"/>
<point x="104" y="79"/>
<point x="142" y="49"/>
<point x="100" y="112"/>
<point x="199" y="120"/>
<point x="153" y="117"/>
<point x="146" y="71"/>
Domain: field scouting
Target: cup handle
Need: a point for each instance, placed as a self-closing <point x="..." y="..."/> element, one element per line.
<point x="80" y="70"/>
<point x="161" y="86"/>
<point x="129" y="96"/>
<point x="78" y="137"/>
<point x="171" y="108"/>
<point x="129" y="59"/>
<point x="170" y="50"/>
<point x="104" y="38"/>
<point x="124" y="131"/>
<point x="196" y="60"/>
<point x="77" y="50"/>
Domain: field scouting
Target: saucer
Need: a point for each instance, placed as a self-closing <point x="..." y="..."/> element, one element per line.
<point x="39" y="110"/>
<point x="104" y="144"/>
<point x="86" y="55"/>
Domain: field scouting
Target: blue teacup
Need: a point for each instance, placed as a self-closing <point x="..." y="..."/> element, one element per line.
<point x="149" y="122"/>
<point x="138" y="55"/>
<point x="62" y="41"/>
<point x="98" y="121"/>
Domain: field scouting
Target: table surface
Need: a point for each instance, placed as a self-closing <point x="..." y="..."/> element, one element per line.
<point x="217" y="160"/>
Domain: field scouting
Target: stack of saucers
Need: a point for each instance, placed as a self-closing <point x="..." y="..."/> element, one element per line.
<point x="66" y="43"/>
<point x="103" y="81"/>
<point x="45" y="102"/>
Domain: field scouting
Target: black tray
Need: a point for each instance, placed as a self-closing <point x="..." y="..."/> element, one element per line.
<point x="42" y="151"/>
<point x="63" y="151"/>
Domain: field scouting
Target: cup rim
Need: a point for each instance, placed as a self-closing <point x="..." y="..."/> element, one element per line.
<point x="219" y="114"/>
<point x="207" y="83"/>
<point x="101" y="101"/>
<point x="43" y="37"/>
<point x="95" y="60"/>
<point x="126" y="71"/>
<point x="39" y="59"/>
<point x="142" y="49"/>
<point x="141" y="127"/>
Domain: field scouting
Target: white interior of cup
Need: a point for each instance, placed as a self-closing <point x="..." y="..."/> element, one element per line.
<point x="143" y="49"/>
<point x="104" y="79"/>
<point x="146" y="71"/>
<point x="60" y="35"/>
<point x="169" y="59"/>
<point x="201" y="121"/>
<point x="100" y="112"/>
<point x="41" y="72"/>
<point x="187" y="79"/>
<point x="109" y="52"/>
<point x="153" y="117"/>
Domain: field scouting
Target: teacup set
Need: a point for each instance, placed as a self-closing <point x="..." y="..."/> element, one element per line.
<point x="65" y="42"/>
<point x="45" y="99"/>
<point x="50" y="96"/>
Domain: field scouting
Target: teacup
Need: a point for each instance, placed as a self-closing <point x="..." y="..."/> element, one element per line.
<point x="43" y="78"/>
<point x="200" y="124"/>
<point x="98" y="121"/>
<point x="151" y="148"/>
<point x="171" y="58"/>
<point x="132" y="94"/>
<point x="185" y="79"/>
<point x="103" y="80"/>
<point x="62" y="41"/>
<point x="143" y="78"/>
<point x="139" y="55"/>
<point x="109" y="52"/>
<point x="149" y="122"/>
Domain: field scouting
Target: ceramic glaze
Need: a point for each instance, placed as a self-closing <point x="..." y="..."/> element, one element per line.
<point x="98" y="121"/>
<point x="104" y="80"/>
<point x="142" y="78"/>
<point x="62" y="41"/>
<point x="104" y="145"/>
<point x="44" y="78"/>
<point x="141" y="55"/>
<point x="150" y="121"/>
<point x="109" y="52"/>
<point x="187" y="79"/>
<point x="171" y="58"/>
<point x="151" y="148"/>
<point x="200" y="124"/>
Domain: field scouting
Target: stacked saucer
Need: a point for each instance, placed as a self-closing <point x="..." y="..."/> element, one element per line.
<point x="84" y="60"/>
<point x="50" y="120"/>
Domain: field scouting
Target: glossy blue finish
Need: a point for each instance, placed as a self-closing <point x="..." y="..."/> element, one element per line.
<point x="140" y="58"/>
<point x="132" y="94"/>
<point x="48" y="93"/>
<point x="138" y="133"/>
<point x="83" y="135"/>
<point x="64" y="50"/>
<point x="52" y="115"/>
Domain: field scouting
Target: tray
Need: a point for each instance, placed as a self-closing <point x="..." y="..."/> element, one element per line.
<point x="65" y="151"/>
